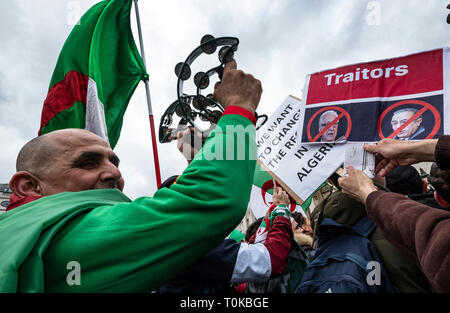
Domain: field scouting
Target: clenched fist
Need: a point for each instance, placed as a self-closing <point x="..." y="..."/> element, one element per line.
<point x="280" y="197"/>
<point x="238" y="88"/>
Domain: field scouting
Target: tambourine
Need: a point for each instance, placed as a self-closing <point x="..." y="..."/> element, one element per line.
<point x="191" y="109"/>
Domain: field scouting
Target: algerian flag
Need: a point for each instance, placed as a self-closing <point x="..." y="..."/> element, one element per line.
<point x="262" y="191"/>
<point x="97" y="72"/>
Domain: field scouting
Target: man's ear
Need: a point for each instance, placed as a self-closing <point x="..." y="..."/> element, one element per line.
<point x="24" y="184"/>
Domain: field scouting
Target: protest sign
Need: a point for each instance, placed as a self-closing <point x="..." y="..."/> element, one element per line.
<point x="262" y="191"/>
<point x="406" y="98"/>
<point x="299" y="168"/>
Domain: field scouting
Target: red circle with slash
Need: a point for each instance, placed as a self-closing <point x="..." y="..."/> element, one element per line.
<point x="341" y="115"/>
<point x="425" y="106"/>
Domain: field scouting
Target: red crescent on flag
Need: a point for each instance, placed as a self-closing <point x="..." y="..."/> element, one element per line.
<point x="269" y="185"/>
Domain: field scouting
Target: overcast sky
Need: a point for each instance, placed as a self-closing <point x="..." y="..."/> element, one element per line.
<point x="280" y="43"/>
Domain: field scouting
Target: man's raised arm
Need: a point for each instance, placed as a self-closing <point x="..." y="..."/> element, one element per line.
<point x="152" y="239"/>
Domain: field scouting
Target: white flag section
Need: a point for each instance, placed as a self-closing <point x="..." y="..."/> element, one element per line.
<point x="302" y="167"/>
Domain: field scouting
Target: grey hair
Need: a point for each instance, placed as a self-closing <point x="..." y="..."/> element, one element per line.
<point x="414" y="111"/>
<point x="327" y="112"/>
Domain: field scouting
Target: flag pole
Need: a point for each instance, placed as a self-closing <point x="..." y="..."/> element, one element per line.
<point x="149" y="102"/>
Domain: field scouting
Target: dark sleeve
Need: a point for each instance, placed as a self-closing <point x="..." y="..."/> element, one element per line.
<point x="217" y="264"/>
<point x="442" y="152"/>
<point x="421" y="232"/>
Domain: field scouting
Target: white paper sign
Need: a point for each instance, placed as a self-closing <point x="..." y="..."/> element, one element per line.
<point x="302" y="167"/>
<point x="360" y="159"/>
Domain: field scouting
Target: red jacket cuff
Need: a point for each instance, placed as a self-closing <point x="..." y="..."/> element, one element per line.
<point x="232" y="109"/>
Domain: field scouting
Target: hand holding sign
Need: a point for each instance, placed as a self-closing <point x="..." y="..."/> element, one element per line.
<point x="281" y="197"/>
<point x="357" y="184"/>
<point x="390" y="153"/>
<point x="360" y="159"/>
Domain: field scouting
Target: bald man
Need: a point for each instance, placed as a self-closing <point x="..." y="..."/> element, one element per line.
<point x="71" y="229"/>
<point x="65" y="160"/>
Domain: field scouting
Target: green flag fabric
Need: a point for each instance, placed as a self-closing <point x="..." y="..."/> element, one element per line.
<point x="97" y="71"/>
<point x="30" y="231"/>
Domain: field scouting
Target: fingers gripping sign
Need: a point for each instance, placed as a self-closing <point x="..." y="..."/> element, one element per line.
<point x="357" y="184"/>
<point x="389" y="155"/>
<point x="280" y="197"/>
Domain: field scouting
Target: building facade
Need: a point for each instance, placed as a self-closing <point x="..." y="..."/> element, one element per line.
<point x="5" y="193"/>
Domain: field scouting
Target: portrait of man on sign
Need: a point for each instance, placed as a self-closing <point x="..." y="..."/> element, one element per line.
<point x="413" y="131"/>
<point x="331" y="133"/>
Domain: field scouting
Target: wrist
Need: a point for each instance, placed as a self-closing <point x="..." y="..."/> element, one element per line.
<point x="281" y="210"/>
<point x="240" y="110"/>
<point x="240" y="102"/>
<point x="249" y="108"/>
<point x="425" y="150"/>
<point x="366" y="191"/>
<point x="420" y="151"/>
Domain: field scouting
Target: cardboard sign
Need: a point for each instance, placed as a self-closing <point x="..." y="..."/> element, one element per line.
<point x="406" y="98"/>
<point x="299" y="168"/>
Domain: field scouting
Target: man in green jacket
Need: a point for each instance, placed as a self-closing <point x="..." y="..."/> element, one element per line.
<point x="73" y="230"/>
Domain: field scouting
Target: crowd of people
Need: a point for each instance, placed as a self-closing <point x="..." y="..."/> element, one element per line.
<point x="390" y="234"/>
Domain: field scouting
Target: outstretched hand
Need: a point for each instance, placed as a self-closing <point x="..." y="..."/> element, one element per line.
<point x="357" y="184"/>
<point x="390" y="153"/>
<point x="238" y="88"/>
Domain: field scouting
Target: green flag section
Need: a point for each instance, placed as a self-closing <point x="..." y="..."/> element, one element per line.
<point x="27" y="231"/>
<point x="262" y="191"/>
<point x="97" y="71"/>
